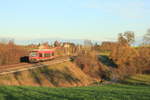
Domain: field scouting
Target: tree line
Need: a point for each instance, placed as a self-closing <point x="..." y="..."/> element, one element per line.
<point x="129" y="60"/>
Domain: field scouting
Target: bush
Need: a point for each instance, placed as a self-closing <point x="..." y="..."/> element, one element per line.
<point x="124" y="56"/>
<point x="11" y="53"/>
<point x="89" y="63"/>
<point x="143" y="60"/>
<point x="130" y="60"/>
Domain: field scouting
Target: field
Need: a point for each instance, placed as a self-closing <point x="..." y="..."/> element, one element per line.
<point x="105" y="92"/>
<point x="139" y="79"/>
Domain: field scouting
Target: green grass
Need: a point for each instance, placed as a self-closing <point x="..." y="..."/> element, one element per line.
<point x="138" y="89"/>
<point x="106" y="53"/>
<point x="138" y="79"/>
<point x="106" y="92"/>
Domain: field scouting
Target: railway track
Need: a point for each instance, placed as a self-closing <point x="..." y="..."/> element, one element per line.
<point x="27" y="66"/>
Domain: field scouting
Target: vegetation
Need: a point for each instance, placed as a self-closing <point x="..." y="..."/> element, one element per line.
<point x="64" y="74"/>
<point x="139" y="79"/>
<point x="11" y="53"/>
<point x="110" y="60"/>
<point x="113" y="61"/>
<point x="126" y="38"/>
<point x="147" y="38"/>
<point x="106" y="92"/>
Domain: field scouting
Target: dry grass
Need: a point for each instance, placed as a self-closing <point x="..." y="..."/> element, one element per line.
<point x="65" y="74"/>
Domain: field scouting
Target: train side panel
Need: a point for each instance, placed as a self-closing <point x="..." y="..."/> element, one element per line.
<point x="36" y="56"/>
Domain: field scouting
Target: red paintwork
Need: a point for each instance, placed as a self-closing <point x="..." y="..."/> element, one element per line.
<point x="37" y="58"/>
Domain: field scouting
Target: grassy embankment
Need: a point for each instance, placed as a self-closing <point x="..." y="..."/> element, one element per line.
<point x="58" y="75"/>
<point x="139" y="79"/>
<point x="138" y="88"/>
<point x="104" y="92"/>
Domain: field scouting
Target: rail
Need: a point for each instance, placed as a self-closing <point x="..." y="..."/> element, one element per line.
<point x="26" y="66"/>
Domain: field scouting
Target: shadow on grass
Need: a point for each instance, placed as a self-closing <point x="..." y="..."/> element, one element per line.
<point x="17" y="75"/>
<point x="135" y="82"/>
<point x="36" y="76"/>
<point x="107" y="61"/>
<point x="56" y="76"/>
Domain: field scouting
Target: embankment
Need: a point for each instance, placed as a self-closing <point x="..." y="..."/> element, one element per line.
<point x="66" y="74"/>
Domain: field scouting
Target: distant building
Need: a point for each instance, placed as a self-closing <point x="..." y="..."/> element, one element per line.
<point x="68" y="45"/>
<point x="44" y="46"/>
<point x="108" y="45"/>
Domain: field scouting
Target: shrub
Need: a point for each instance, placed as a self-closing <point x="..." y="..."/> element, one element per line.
<point x="124" y="56"/>
<point x="11" y="53"/>
<point x="89" y="63"/>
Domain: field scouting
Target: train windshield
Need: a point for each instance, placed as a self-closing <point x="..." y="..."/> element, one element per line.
<point x="33" y="54"/>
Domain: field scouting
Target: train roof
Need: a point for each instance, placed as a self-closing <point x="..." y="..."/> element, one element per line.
<point x="42" y="50"/>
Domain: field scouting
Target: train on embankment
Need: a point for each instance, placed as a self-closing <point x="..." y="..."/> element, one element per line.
<point x="38" y="55"/>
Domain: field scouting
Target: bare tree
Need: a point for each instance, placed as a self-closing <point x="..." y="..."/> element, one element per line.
<point x="147" y="37"/>
<point x="121" y="39"/>
<point x="126" y="37"/>
<point x="3" y="40"/>
<point x="88" y="43"/>
<point x="56" y="43"/>
<point x="11" y="42"/>
<point x="129" y="36"/>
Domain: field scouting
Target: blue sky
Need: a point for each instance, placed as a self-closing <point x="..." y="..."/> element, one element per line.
<point x="73" y="19"/>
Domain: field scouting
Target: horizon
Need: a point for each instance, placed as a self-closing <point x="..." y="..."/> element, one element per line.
<point x="74" y="49"/>
<point x="72" y="19"/>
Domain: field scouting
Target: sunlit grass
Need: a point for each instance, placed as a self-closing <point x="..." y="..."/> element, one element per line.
<point x="106" y="92"/>
<point x="138" y="79"/>
<point x="104" y="53"/>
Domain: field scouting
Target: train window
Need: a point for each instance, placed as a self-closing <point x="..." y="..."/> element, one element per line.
<point x="33" y="54"/>
<point x="46" y="55"/>
<point x="40" y="54"/>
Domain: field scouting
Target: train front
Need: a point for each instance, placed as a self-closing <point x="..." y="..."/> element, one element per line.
<point x="33" y="56"/>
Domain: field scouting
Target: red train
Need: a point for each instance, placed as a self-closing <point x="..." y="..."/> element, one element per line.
<point x="41" y="55"/>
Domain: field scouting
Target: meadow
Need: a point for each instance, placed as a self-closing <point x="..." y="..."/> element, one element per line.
<point x="139" y="79"/>
<point x="103" y="92"/>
